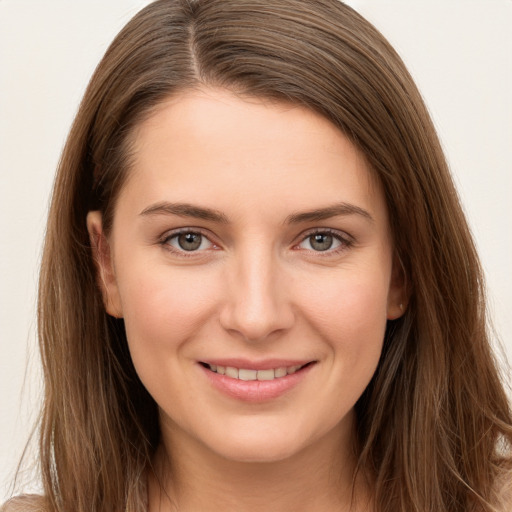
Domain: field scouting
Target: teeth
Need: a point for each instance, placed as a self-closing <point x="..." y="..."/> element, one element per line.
<point x="247" y="374"/>
<point x="232" y="372"/>
<point x="280" y="372"/>
<point x="244" y="374"/>
<point x="266" y="374"/>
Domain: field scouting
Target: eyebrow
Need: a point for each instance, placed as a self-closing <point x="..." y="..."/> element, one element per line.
<point x="327" y="213"/>
<point x="185" y="210"/>
<point x="198" y="212"/>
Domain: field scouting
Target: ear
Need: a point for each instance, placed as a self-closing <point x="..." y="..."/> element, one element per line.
<point x="398" y="296"/>
<point x="102" y="255"/>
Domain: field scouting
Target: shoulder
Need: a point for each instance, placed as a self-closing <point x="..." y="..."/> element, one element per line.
<point x="25" y="503"/>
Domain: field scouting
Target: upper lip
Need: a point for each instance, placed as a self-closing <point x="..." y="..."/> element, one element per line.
<point x="264" y="364"/>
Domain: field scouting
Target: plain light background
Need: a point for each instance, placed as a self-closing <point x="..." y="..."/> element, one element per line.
<point x="459" y="52"/>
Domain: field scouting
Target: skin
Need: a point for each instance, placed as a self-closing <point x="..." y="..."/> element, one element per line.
<point x="256" y="288"/>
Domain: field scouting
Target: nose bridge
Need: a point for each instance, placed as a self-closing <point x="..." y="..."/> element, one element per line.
<point x="257" y="303"/>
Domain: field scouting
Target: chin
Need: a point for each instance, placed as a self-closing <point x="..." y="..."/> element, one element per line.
<point x="261" y="446"/>
<point x="261" y="453"/>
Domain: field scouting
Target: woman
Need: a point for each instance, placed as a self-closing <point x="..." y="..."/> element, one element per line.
<point x="258" y="288"/>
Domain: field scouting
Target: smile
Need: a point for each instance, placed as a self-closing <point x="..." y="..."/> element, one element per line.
<point x="252" y="374"/>
<point x="251" y="381"/>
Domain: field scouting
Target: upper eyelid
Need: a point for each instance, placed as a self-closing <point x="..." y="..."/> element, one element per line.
<point x="164" y="240"/>
<point x="345" y="240"/>
<point x="342" y="235"/>
<point x="178" y="231"/>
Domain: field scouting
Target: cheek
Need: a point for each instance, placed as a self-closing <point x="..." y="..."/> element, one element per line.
<point x="346" y="300"/>
<point x="164" y="307"/>
<point x="349" y="313"/>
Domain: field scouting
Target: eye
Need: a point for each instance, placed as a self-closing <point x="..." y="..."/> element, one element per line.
<point x="188" y="241"/>
<point x="324" y="241"/>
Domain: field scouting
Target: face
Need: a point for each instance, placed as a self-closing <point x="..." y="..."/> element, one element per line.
<point x="251" y="259"/>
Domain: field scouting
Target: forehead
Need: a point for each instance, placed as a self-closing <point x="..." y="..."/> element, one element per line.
<point x="211" y="145"/>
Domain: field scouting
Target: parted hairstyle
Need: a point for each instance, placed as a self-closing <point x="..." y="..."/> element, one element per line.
<point x="434" y="426"/>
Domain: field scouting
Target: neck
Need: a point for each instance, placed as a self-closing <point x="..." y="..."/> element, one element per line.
<point x="317" y="478"/>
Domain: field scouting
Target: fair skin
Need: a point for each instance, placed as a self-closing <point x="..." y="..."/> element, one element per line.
<point x="250" y="235"/>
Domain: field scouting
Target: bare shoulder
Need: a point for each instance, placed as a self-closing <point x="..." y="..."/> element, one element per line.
<point x="25" y="503"/>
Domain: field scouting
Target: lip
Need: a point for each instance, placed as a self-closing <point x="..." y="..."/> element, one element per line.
<point x="256" y="391"/>
<point x="264" y="364"/>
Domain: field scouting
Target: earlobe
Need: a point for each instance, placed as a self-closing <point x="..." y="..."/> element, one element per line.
<point x="102" y="255"/>
<point x="395" y="310"/>
<point x="397" y="295"/>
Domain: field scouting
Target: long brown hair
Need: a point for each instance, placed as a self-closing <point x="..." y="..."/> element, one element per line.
<point x="434" y="426"/>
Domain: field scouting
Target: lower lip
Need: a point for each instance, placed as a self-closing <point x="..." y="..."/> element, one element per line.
<point x="256" y="390"/>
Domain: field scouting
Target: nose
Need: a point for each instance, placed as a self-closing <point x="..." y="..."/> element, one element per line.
<point x="257" y="304"/>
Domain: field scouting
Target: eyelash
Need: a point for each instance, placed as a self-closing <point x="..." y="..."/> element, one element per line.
<point x="345" y="241"/>
<point x="164" y="241"/>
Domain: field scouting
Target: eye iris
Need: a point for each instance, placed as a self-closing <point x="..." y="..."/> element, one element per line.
<point x="189" y="241"/>
<point x="321" y="241"/>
